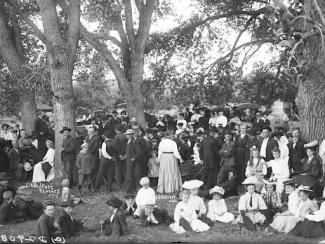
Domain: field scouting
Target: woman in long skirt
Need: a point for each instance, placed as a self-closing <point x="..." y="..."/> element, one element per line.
<point x="169" y="180"/>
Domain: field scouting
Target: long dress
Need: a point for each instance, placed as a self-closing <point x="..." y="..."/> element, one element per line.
<point x="218" y="211"/>
<point x="38" y="174"/>
<point x="285" y="223"/>
<point x="280" y="171"/>
<point x="170" y="180"/>
<point x="258" y="170"/>
<point x="313" y="226"/>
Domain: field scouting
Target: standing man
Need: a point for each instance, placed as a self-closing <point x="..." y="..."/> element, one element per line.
<point x="130" y="165"/>
<point x="265" y="146"/>
<point x="210" y="157"/>
<point x="93" y="141"/>
<point x="242" y="142"/>
<point x="109" y="127"/>
<point x="120" y="167"/>
<point x="68" y="153"/>
<point x="297" y="152"/>
<point x="41" y="133"/>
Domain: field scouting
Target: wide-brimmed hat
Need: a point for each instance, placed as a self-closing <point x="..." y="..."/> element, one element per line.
<point x="289" y="182"/>
<point x="311" y="145"/>
<point x="65" y="128"/>
<point x="129" y="132"/>
<point x="27" y="167"/>
<point x="135" y="128"/>
<point x="267" y="128"/>
<point x="48" y="203"/>
<point x="192" y="184"/>
<point x="114" y="202"/>
<point x="144" y="181"/>
<point x="250" y="181"/>
<point x="217" y="189"/>
<point x="304" y="188"/>
<point x="4" y="125"/>
<point x="68" y="203"/>
<point x="25" y="190"/>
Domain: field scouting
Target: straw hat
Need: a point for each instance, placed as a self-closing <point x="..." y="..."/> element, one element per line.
<point x="250" y="181"/>
<point x="217" y="189"/>
<point x="192" y="184"/>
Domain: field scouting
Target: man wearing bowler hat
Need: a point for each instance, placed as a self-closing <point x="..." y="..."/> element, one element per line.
<point x="68" y="153"/>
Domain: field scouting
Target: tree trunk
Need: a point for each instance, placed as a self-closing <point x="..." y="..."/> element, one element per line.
<point x="28" y="111"/>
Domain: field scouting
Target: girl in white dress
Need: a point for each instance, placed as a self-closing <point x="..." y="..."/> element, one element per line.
<point x="145" y="196"/>
<point x="218" y="208"/>
<point x="184" y="212"/>
<point x="280" y="169"/>
<point x="38" y="174"/>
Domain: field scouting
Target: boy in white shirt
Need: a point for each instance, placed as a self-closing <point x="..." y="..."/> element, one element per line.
<point x="145" y="196"/>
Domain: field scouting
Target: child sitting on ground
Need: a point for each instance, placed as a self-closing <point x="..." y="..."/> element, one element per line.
<point x="217" y="206"/>
<point x="152" y="215"/>
<point x="146" y="195"/>
<point x="66" y="194"/>
<point x="153" y="166"/>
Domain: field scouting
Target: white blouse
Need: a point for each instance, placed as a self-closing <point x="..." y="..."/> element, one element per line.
<point x="257" y="202"/>
<point x="186" y="211"/>
<point x="293" y="202"/>
<point x="217" y="207"/>
<point x="249" y="169"/>
<point x="198" y="204"/>
<point x="168" y="145"/>
<point x="145" y="196"/>
<point x="49" y="156"/>
<point x="280" y="167"/>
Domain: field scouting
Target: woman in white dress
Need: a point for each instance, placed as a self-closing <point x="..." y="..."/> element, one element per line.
<point x="48" y="161"/>
<point x="218" y="208"/>
<point x="170" y="180"/>
<point x="280" y="169"/>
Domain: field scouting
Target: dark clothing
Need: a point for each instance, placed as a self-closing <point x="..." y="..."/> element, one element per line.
<point x="93" y="149"/>
<point x="120" y="165"/>
<point x="109" y="128"/>
<point x="161" y="215"/>
<point x="45" y="227"/>
<point x="269" y="155"/>
<point x="260" y="124"/>
<point x="68" y="156"/>
<point x="4" y="161"/>
<point x="296" y="155"/>
<point x="242" y="152"/>
<point x="227" y="163"/>
<point x="7" y="211"/>
<point x="203" y="122"/>
<point x="105" y="171"/>
<point x="28" y="209"/>
<point x="185" y="151"/>
<point x="16" y="163"/>
<point x="309" y="229"/>
<point x="68" y="226"/>
<point x="41" y="134"/>
<point x="118" y="226"/>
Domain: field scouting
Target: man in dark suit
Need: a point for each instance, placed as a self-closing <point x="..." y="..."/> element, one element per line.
<point x="266" y="144"/>
<point x="93" y="141"/>
<point x="297" y="152"/>
<point x="109" y="128"/>
<point x="45" y="224"/>
<point x="16" y="162"/>
<point x="41" y="133"/>
<point x="130" y="165"/>
<point x="120" y="167"/>
<point x="210" y="157"/>
<point x="242" y="142"/>
<point x="68" y="226"/>
<point x="68" y="153"/>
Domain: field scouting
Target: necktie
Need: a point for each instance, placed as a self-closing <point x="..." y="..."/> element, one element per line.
<point x="251" y="201"/>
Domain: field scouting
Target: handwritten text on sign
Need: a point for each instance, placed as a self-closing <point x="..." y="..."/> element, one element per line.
<point x="48" y="189"/>
<point x="31" y="239"/>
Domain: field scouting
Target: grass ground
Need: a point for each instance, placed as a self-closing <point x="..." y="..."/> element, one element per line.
<point x="95" y="210"/>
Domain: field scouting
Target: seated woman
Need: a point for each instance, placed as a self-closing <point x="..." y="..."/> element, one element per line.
<point x="313" y="225"/>
<point x="311" y="170"/>
<point x="116" y="224"/>
<point x="230" y="185"/>
<point x="272" y="200"/>
<point x="251" y="204"/>
<point x="185" y="216"/>
<point x="44" y="171"/>
<point x="217" y="206"/>
<point x="256" y="168"/>
<point x="285" y="222"/>
<point x="196" y="201"/>
<point x="27" y="148"/>
<point x="280" y="169"/>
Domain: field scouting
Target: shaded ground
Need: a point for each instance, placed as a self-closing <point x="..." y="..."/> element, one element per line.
<point x="95" y="210"/>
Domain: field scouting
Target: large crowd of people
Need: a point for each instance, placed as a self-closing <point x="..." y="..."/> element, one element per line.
<point x="195" y="155"/>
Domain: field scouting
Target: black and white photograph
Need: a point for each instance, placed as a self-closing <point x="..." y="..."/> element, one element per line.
<point x="162" y="121"/>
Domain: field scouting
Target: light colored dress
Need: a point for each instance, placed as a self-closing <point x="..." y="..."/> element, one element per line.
<point x="258" y="170"/>
<point x="144" y="197"/>
<point x="170" y="180"/>
<point x="198" y="204"/>
<point x="187" y="211"/>
<point x="285" y="223"/>
<point x="280" y="171"/>
<point x="218" y="211"/>
<point x="252" y="211"/>
<point x="38" y="174"/>
<point x="153" y="165"/>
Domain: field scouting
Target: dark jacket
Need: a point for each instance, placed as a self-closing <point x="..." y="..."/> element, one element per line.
<point x="45" y="227"/>
<point x="135" y="151"/>
<point x="69" y="149"/>
<point x="28" y="209"/>
<point x="209" y="152"/>
<point x="118" y="226"/>
<point x="227" y="154"/>
<point x="109" y="128"/>
<point x="313" y="168"/>
<point x="7" y="211"/>
<point x="203" y="122"/>
<point x="121" y="142"/>
<point x="296" y="155"/>
<point x="161" y="215"/>
<point x="14" y="158"/>
<point x="68" y="226"/>
<point x="242" y="149"/>
<point x="41" y="129"/>
<point x="270" y="145"/>
<point x="85" y="163"/>
<point x="93" y="146"/>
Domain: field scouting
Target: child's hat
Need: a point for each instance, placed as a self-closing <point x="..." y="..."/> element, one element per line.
<point x="217" y="189"/>
<point x="144" y="181"/>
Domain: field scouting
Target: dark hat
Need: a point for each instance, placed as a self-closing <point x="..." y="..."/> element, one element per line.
<point x="228" y="132"/>
<point x="114" y="202"/>
<point x="65" y="128"/>
<point x="67" y="204"/>
<point x="288" y="182"/>
<point x="48" y="203"/>
<point x="129" y="196"/>
<point x="5" y="125"/>
<point x="267" y="128"/>
<point x="276" y="133"/>
<point x="119" y="127"/>
<point x="214" y="129"/>
<point x="114" y="112"/>
<point x="185" y="135"/>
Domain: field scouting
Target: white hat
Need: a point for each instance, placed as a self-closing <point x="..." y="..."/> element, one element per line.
<point x="192" y="184"/>
<point x="217" y="189"/>
<point x="267" y="182"/>
<point x="85" y="144"/>
<point x="144" y="181"/>
<point x="250" y="181"/>
<point x="27" y="167"/>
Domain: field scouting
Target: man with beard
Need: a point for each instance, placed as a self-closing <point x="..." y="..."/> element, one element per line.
<point x="211" y="160"/>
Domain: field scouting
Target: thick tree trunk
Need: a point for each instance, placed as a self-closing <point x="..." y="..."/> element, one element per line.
<point x="28" y="111"/>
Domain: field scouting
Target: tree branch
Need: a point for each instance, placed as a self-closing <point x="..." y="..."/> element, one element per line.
<point x="74" y="28"/>
<point x="144" y="23"/>
<point x="320" y="13"/>
<point x="129" y="23"/>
